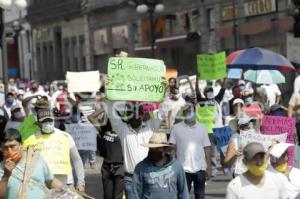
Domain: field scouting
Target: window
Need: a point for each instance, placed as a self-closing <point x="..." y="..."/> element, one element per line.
<point x="211" y="20"/>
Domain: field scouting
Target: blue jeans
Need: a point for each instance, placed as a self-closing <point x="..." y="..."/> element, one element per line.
<point x="128" y="187"/>
<point x="88" y="155"/>
<point x="199" y="179"/>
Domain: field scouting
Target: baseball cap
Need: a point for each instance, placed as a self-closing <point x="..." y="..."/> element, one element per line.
<point x="279" y="149"/>
<point x="245" y="120"/>
<point x="252" y="149"/>
<point x="238" y="100"/>
<point x="44" y="113"/>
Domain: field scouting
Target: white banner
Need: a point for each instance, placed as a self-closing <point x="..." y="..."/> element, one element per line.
<point x="84" y="135"/>
<point x="246" y="138"/>
<point x="83" y="81"/>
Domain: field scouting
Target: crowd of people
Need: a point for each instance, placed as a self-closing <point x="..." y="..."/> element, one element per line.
<point x="159" y="153"/>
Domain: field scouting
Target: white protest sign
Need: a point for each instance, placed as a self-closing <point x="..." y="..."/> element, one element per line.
<point x="84" y="135"/>
<point x="246" y="138"/>
<point x="83" y="81"/>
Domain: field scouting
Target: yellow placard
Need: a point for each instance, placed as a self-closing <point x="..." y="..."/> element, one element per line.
<point x="55" y="149"/>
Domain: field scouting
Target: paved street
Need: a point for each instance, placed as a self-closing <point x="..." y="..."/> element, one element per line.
<point x="216" y="187"/>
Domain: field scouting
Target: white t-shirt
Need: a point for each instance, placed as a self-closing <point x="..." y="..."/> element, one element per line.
<point x="272" y="92"/>
<point x="290" y="183"/>
<point x="297" y="84"/>
<point x="131" y="141"/>
<point x="272" y="188"/>
<point x="171" y="106"/>
<point x="190" y="143"/>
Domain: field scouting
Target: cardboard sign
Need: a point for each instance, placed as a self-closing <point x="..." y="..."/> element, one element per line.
<point x="84" y="135"/>
<point x="55" y="149"/>
<point x="28" y="127"/>
<point x="83" y="81"/>
<point x="206" y="115"/>
<point x="136" y="79"/>
<point x="246" y="138"/>
<point x="274" y="125"/>
<point x="212" y="67"/>
<point x="222" y="136"/>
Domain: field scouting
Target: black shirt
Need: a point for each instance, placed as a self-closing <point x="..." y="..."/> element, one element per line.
<point x="110" y="145"/>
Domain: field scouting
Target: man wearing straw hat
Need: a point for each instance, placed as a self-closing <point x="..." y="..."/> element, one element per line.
<point x="159" y="175"/>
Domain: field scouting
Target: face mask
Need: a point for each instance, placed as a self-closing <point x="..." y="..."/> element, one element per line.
<point x="15" y="156"/>
<point x="48" y="127"/>
<point x="257" y="170"/>
<point x="155" y="156"/>
<point x="210" y="95"/>
<point x="10" y="101"/>
<point x="248" y="100"/>
<point x="18" y="115"/>
<point x="135" y="123"/>
<point x="282" y="167"/>
<point x="190" y="118"/>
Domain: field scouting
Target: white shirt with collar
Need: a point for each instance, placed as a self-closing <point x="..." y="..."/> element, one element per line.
<point x="131" y="141"/>
<point x="190" y="142"/>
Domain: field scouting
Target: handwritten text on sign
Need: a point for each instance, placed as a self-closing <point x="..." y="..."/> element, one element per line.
<point x="212" y="67"/>
<point x="84" y="135"/>
<point x="273" y="125"/>
<point x="136" y="79"/>
<point x="246" y="138"/>
<point x="55" y="150"/>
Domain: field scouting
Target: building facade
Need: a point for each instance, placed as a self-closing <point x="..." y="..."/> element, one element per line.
<point x="80" y="35"/>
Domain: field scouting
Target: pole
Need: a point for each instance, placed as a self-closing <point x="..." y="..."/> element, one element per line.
<point x="3" y="51"/>
<point x="151" y="20"/>
<point x="235" y="33"/>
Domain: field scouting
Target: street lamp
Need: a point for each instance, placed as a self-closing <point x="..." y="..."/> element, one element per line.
<point x="151" y="7"/>
<point x="6" y="4"/>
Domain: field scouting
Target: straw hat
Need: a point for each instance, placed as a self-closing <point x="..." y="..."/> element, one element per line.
<point x="157" y="140"/>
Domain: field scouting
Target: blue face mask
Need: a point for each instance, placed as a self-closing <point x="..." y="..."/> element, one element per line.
<point x="248" y="100"/>
<point x="48" y="127"/>
<point x="9" y="101"/>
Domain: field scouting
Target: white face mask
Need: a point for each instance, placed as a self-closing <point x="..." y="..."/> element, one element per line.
<point x="210" y="95"/>
<point x="18" y="115"/>
<point x="48" y="127"/>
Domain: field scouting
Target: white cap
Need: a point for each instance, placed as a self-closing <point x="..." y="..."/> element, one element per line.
<point x="245" y="120"/>
<point x="238" y="100"/>
<point x="279" y="149"/>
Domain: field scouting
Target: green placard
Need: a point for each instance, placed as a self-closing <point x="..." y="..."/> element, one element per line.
<point x="212" y="67"/>
<point x="28" y="127"/>
<point x="136" y="79"/>
<point x="206" y="115"/>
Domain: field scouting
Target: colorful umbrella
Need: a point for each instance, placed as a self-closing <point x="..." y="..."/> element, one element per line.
<point x="232" y="56"/>
<point x="260" y="59"/>
<point x="264" y="76"/>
